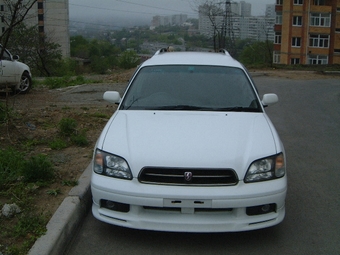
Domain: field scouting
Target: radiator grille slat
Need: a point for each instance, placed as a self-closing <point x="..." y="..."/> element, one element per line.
<point x="189" y="177"/>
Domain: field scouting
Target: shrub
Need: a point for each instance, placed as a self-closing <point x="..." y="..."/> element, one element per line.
<point x="11" y="162"/>
<point x="67" y="127"/>
<point x="58" y="144"/>
<point x="128" y="59"/>
<point x="38" y="168"/>
<point x="80" y="139"/>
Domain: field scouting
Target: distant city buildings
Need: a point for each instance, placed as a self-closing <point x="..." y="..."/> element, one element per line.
<point x="245" y="9"/>
<point x="242" y="24"/>
<point x="51" y="18"/>
<point x="172" y="20"/>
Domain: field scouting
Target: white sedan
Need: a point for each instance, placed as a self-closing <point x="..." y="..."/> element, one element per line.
<point x="14" y="74"/>
<point x="190" y="149"/>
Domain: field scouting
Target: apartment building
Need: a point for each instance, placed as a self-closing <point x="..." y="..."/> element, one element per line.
<point x="177" y="20"/>
<point x="307" y="32"/>
<point x="52" y="19"/>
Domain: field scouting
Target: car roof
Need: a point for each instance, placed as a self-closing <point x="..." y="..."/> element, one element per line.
<point x="192" y="58"/>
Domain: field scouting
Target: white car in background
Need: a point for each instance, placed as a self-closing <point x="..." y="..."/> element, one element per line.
<point x="190" y="149"/>
<point x="14" y="74"/>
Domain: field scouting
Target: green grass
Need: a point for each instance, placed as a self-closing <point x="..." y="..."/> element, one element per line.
<point x="20" y="181"/>
<point x="63" y="82"/>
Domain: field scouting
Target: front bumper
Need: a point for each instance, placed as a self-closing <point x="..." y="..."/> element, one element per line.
<point x="188" y="209"/>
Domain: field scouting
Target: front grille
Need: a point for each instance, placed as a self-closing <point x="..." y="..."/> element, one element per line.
<point x="189" y="177"/>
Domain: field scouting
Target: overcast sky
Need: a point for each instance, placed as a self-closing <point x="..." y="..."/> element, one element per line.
<point x="134" y="12"/>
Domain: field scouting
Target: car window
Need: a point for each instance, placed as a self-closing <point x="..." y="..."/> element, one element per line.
<point x="6" y="56"/>
<point x="191" y="87"/>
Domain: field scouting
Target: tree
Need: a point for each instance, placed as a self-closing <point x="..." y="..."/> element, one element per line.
<point x="36" y="50"/>
<point x="257" y="54"/>
<point x="128" y="59"/>
<point x="15" y="12"/>
<point x="220" y="15"/>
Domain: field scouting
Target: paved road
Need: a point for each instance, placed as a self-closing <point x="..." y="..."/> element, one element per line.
<point x="308" y="120"/>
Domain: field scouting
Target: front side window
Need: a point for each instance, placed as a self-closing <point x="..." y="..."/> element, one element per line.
<point x="6" y="55"/>
<point x="182" y="87"/>
<point x="320" y="41"/>
<point x="297" y="20"/>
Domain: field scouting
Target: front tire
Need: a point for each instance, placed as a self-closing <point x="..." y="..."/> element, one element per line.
<point x="25" y="83"/>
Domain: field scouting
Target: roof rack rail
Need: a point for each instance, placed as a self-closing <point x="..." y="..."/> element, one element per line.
<point x="224" y="51"/>
<point x="168" y="49"/>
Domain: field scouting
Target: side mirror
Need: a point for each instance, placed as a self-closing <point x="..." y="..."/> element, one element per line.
<point x="269" y="99"/>
<point x="112" y="97"/>
<point x="16" y="57"/>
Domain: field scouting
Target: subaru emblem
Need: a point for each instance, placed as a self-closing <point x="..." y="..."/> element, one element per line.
<point x="188" y="176"/>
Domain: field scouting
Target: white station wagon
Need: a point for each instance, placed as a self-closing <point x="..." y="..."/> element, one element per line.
<point x="190" y="149"/>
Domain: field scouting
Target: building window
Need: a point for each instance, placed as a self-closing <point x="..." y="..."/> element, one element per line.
<point x="320" y="19"/>
<point x="294" y="61"/>
<point x="278" y="18"/>
<point x="298" y="2"/>
<point x="2" y="19"/>
<point x="277" y="38"/>
<point x="297" y="20"/>
<point x="320" y="41"/>
<point x="296" y="41"/>
<point x="276" y="57"/>
<point x="336" y="50"/>
<point x="40" y="5"/>
<point x="41" y="17"/>
<point x="319" y="2"/>
<point x="41" y="29"/>
<point x="279" y="2"/>
<point x="3" y="30"/>
<point x="317" y="60"/>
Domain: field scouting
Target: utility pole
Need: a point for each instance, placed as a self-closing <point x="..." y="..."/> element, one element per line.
<point x="229" y="33"/>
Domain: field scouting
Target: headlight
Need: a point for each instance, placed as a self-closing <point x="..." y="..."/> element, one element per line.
<point x="111" y="165"/>
<point x="266" y="169"/>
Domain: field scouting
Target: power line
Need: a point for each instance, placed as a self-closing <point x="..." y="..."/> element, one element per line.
<point x="129" y="11"/>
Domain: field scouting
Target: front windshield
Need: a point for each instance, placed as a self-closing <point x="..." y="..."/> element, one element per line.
<point x="183" y="87"/>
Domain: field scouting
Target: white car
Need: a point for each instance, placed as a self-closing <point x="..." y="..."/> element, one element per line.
<point x="14" y="74"/>
<point x="190" y="149"/>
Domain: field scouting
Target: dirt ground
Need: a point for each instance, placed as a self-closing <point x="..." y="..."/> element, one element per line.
<point x="38" y="113"/>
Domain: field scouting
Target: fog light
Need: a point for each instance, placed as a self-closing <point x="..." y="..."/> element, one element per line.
<point x="260" y="209"/>
<point x="110" y="205"/>
<point x="265" y="208"/>
<point x="114" y="206"/>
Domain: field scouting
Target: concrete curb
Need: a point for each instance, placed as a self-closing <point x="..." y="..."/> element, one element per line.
<point x="66" y="219"/>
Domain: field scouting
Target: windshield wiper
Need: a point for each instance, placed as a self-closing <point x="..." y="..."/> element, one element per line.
<point x="199" y="108"/>
<point x="236" y="109"/>
<point x="178" y="107"/>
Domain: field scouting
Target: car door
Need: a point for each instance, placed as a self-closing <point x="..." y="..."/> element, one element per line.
<point x="8" y="69"/>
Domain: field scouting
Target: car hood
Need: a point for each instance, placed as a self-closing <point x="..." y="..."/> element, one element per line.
<point x="189" y="139"/>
